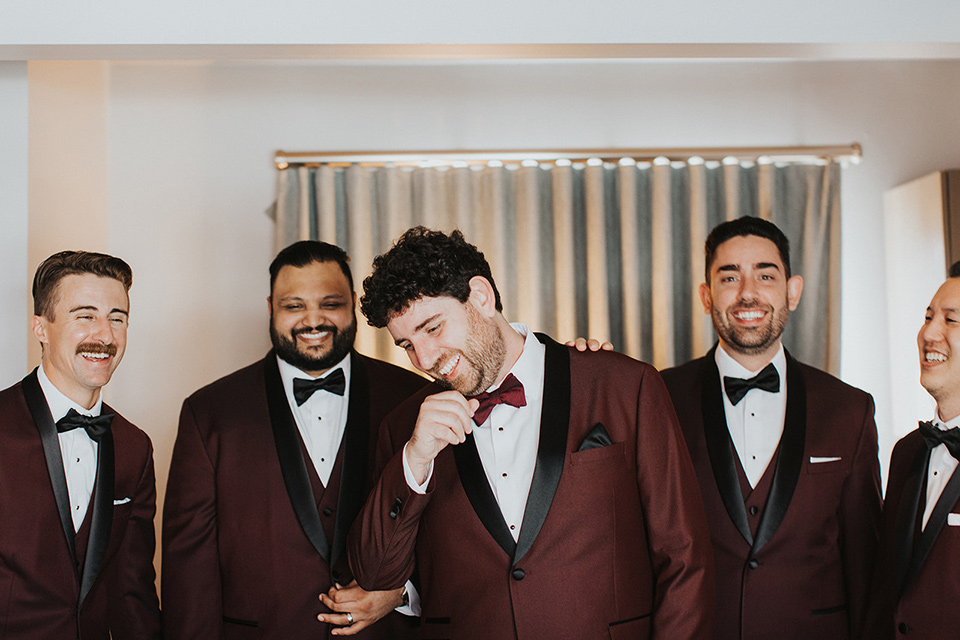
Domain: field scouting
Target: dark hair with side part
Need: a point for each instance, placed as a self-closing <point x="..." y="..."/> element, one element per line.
<point x="306" y="252"/>
<point x="422" y="264"/>
<point x="69" y="263"/>
<point x="746" y="226"/>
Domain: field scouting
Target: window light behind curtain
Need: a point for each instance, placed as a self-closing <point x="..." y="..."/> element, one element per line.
<point x="609" y="251"/>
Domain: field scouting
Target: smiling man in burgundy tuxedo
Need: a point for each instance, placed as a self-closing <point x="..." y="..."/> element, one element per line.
<point x="270" y="467"/>
<point x="786" y="455"/>
<point x="542" y="492"/>
<point x="917" y="583"/>
<point x="77" y="489"/>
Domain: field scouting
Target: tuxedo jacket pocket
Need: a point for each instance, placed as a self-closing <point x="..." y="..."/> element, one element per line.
<point x="598" y="437"/>
<point x="825" y="464"/>
<point x="598" y="453"/>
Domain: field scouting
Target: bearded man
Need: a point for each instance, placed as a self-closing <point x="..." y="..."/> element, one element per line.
<point x="541" y="492"/>
<point x="786" y="455"/>
<point x="271" y="465"/>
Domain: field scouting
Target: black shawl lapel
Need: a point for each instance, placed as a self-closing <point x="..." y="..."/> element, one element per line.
<point x="790" y="460"/>
<point x="938" y="518"/>
<point x="37" y="404"/>
<point x="551" y="450"/>
<point x="475" y="485"/>
<point x="102" y="520"/>
<point x="717" y="437"/>
<point x="292" y="464"/>
<point x="354" y="445"/>
<point x="906" y="522"/>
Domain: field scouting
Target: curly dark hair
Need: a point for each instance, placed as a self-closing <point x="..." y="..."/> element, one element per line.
<point x="422" y="263"/>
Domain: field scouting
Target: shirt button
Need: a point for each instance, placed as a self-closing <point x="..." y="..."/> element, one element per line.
<point x="500" y="429"/>
<point x="78" y="460"/>
<point x="323" y="459"/>
<point x="504" y="475"/>
<point x="513" y="527"/>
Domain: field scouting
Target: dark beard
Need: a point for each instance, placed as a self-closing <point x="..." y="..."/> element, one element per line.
<point x="342" y="343"/>
<point x="752" y="342"/>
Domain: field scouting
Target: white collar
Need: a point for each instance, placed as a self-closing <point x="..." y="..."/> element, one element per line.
<point x="730" y="367"/>
<point x="60" y="404"/>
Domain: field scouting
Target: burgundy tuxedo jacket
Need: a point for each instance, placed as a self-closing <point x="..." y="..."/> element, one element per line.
<point x="250" y="536"/>
<point x="917" y="584"/>
<point x="797" y="563"/>
<point x="43" y="591"/>
<point x="613" y="543"/>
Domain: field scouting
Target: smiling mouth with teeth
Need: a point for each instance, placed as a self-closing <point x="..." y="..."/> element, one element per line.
<point x="933" y="356"/>
<point x="449" y="367"/>
<point x="748" y="316"/>
<point x="96" y="351"/>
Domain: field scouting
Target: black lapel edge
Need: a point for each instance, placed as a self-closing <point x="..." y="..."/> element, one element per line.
<point x="717" y="436"/>
<point x="906" y="522"/>
<point x="789" y="460"/>
<point x="355" y="445"/>
<point x="102" y="517"/>
<point x="552" y="449"/>
<point x="938" y="518"/>
<point x="42" y="418"/>
<point x="292" y="464"/>
<point x="475" y="485"/>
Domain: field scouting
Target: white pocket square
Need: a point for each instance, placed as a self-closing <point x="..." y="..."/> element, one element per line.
<point x="953" y="519"/>
<point x="118" y="502"/>
<point x="819" y="459"/>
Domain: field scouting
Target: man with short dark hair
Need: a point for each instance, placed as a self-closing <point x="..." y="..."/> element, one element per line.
<point x="77" y="488"/>
<point x="270" y="467"/>
<point x="544" y="492"/>
<point x="786" y="455"/>
<point x="916" y="586"/>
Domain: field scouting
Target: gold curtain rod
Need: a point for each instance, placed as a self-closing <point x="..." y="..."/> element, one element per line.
<point x="840" y="153"/>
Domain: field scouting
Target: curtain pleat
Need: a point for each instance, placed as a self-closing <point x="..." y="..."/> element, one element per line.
<point x="605" y="251"/>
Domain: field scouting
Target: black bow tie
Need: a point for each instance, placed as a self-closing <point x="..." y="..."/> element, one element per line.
<point x="766" y="380"/>
<point x="95" y="426"/>
<point x="935" y="437"/>
<point x="335" y="383"/>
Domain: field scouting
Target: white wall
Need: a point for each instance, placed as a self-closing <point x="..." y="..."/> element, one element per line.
<point x="13" y="221"/>
<point x="491" y="21"/>
<point x="189" y="149"/>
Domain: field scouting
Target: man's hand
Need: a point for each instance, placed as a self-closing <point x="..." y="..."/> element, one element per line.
<point x="582" y="344"/>
<point x="445" y="418"/>
<point x="364" y="607"/>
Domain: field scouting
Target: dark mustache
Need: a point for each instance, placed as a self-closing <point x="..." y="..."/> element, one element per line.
<point x="96" y="347"/>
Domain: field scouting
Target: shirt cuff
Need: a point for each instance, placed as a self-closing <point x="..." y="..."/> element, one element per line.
<point x="412" y="609"/>
<point x="411" y="481"/>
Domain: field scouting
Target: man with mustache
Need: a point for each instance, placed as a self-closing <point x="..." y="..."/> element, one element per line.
<point x="786" y="455"/>
<point x="543" y="492"/>
<point x="270" y="467"/>
<point x="916" y="586"/>
<point x="77" y="488"/>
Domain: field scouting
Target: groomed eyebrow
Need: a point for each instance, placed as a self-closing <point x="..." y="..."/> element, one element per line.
<point x="418" y="328"/>
<point x="90" y="307"/>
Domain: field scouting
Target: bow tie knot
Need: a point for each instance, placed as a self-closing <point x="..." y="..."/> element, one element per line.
<point x="335" y="383"/>
<point x="766" y="380"/>
<point x="934" y="437"/>
<point x="95" y="426"/>
<point x="509" y="392"/>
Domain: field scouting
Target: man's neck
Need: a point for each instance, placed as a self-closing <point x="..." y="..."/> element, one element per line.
<point x="948" y="411"/>
<point x="513" y="343"/>
<point x="752" y="361"/>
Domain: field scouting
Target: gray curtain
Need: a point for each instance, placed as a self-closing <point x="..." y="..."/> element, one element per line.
<point x="610" y="251"/>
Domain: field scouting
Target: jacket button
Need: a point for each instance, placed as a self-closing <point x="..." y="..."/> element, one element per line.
<point x="518" y="574"/>
<point x="393" y="514"/>
<point x="327" y="511"/>
<point x="754" y="510"/>
<point x="903" y="628"/>
<point x="753" y="564"/>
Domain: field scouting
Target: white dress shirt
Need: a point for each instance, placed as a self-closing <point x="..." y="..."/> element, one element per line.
<point x="941" y="467"/>
<point x="322" y="419"/>
<point x="507" y="441"/>
<point x="78" y="451"/>
<point x="756" y="422"/>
